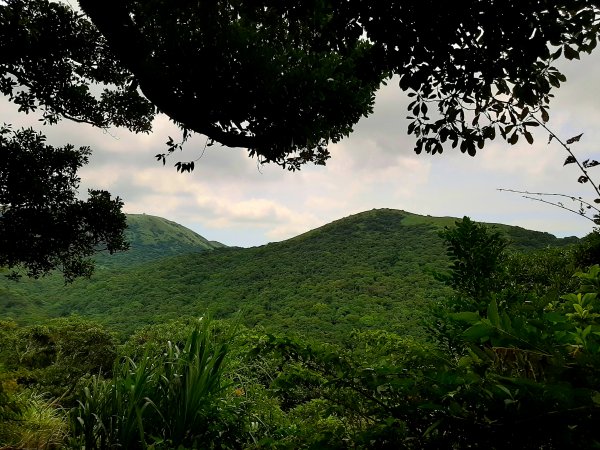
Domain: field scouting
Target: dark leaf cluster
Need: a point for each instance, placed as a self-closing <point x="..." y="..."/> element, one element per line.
<point x="286" y="80"/>
<point x="43" y="224"/>
<point x="54" y="59"/>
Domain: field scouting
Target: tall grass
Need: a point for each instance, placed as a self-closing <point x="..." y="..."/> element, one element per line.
<point x="190" y="383"/>
<point x="169" y="399"/>
<point x="110" y="412"/>
<point x="40" y="425"/>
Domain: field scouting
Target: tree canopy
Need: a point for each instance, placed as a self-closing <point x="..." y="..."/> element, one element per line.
<point x="286" y="79"/>
<point x="283" y="80"/>
<point x="43" y="225"/>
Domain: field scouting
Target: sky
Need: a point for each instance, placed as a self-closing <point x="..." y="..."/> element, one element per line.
<point x="229" y="198"/>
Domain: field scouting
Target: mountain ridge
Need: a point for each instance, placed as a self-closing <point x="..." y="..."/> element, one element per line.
<point x="372" y="268"/>
<point x="514" y="232"/>
<point x="151" y="238"/>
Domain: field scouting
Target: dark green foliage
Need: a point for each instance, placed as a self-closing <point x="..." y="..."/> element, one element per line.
<point x="525" y="240"/>
<point x="364" y="399"/>
<point x="370" y="270"/>
<point x="527" y="377"/>
<point x="170" y="400"/>
<point x="520" y="371"/>
<point x="588" y="252"/>
<point x="545" y="274"/>
<point x="285" y="80"/>
<point x="476" y="254"/>
<point x="530" y="362"/>
<point x="43" y="225"/>
<point x="358" y="272"/>
<point x="544" y="366"/>
<point x="54" y="358"/>
<point x="9" y="406"/>
<point x="50" y="57"/>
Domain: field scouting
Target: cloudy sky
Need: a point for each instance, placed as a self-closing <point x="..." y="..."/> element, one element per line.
<point x="230" y="199"/>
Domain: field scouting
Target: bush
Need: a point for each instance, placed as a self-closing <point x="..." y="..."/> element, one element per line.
<point x="177" y="398"/>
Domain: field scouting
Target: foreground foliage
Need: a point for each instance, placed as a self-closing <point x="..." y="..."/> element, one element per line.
<point x="510" y="360"/>
<point x="167" y="400"/>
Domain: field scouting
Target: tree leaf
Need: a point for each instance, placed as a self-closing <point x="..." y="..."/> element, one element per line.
<point x="574" y="139"/>
<point x="479" y="331"/>
<point x="467" y="316"/>
<point x="570" y="160"/>
<point x="555" y="317"/>
<point x="492" y="313"/>
<point x="528" y="137"/>
<point x="570" y="53"/>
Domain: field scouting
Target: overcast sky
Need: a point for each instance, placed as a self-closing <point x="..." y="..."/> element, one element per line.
<point x="230" y="199"/>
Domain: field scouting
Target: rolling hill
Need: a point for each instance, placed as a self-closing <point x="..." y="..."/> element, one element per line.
<point x="374" y="269"/>
<point x="153" y="238"/>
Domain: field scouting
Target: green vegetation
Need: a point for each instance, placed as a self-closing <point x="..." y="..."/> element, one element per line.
<point x="376" y="269"/>
<point x="370" y="332"/>
<point x="44" y="226"/>
<point x="507" y="356"/>
<point x="283" y="103"/>
<point x="171" y="399"/>
<point x="151" y="238"/>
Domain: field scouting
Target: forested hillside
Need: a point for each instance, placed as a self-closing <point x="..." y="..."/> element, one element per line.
<point x="383" y="330"/>
<point x="380" y="330"/>
<point x="152" y="238"/>
<point x="376" y="269"/>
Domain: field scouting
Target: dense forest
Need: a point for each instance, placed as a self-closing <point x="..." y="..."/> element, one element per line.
<point x="377" y="269"/>
<point x="383" y="330"/>
<point x="380" y="330"/>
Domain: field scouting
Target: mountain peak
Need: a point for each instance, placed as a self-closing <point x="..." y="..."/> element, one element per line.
<point x="386" y="220"/>
<point x="152" y="238"/>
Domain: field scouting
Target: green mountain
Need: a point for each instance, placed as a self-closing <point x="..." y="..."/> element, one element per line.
<point x="374" y="269"/>
<point x="152" y="238"/>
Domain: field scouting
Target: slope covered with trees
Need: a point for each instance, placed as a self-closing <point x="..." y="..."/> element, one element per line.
<point x="151" y="238"/>
<point x="377" y="269"/>
<point x="282" y="81"/>
<point x="508" y="358"/>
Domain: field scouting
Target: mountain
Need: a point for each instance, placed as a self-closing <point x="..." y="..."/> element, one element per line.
<point x="374" y="269"/>
<point x="520" y="238"/>
<point x="152" y="238"/>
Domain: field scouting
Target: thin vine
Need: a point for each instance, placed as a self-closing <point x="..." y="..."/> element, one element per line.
<point x="584" y="206"/>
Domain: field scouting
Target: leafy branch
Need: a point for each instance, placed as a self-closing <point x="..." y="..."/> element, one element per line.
<point x="581" y="211"/>
<point x="172" y="146"/>
<point x="583" y="166"/>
